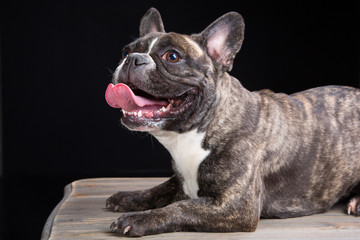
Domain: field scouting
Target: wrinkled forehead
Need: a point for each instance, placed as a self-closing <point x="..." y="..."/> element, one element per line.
<point x="166" y="41"/>
<point x="181" y="43"/>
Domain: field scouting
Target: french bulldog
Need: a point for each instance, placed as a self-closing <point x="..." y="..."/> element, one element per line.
<point x="238" y="156"/>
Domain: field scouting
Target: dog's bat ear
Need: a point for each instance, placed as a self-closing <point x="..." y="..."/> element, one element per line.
<point x="151" y="22"/>
<point x="223" y="39"/>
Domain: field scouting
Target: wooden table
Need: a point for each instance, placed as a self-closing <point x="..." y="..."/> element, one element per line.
<point x="82" y="215"/>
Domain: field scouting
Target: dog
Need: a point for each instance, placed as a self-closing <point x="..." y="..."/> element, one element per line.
<point x="237" y="155"/>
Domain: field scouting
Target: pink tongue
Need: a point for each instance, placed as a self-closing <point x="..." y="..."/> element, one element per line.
<point x="121" y="96"/>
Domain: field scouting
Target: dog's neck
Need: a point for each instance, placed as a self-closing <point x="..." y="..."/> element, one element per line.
<point x="190" y="148"/>
<point x="231" y="117"/>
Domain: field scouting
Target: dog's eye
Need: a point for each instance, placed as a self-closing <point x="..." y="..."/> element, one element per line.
<point x="172" y="56"/>
<point x="125" y="53"/>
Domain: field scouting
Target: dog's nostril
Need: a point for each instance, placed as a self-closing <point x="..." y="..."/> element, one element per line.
<point x="140" y="61"/>
<point x="136" y="59"/>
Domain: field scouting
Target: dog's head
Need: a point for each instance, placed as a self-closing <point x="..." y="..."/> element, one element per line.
<point x="168" y="81"/>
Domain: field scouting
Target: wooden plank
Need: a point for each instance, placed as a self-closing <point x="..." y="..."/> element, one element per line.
<point x="49" y="222"/>
<point x="82" y="215"/>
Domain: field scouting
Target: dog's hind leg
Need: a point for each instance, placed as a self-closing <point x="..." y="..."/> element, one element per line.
<point x="353" y="206"/>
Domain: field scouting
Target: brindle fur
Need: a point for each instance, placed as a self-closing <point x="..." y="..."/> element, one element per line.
<point x="271" y="155"/>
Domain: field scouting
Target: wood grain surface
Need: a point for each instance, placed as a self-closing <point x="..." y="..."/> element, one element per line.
<point x="82" y="215"/>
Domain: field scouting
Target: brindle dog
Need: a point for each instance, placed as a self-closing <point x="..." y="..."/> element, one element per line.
<point x="237" y="155"/>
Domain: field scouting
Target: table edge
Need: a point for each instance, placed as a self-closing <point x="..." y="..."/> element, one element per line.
<point x="50" y="220"/>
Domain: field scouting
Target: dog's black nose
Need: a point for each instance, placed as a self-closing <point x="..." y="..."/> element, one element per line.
<point x="137" y="59"/>
<point x="134" y="65"/>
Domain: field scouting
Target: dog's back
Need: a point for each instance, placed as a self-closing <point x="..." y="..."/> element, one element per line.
<point x="321" y="162"/>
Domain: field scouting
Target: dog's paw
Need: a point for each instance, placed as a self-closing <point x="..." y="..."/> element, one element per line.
<point x="134" y="225"/>
<point x="120" y="202"/>
<point x="354" y="206"/>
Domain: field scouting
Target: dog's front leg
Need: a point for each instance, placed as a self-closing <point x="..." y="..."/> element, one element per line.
<point x="201" y="214"/>
<point x="156" y="197"/>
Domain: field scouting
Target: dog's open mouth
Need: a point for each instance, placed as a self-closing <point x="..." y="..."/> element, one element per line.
<point x="138" y="104"/>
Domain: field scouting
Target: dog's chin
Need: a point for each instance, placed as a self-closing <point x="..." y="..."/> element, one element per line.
<point x="138" y="124"/>
<point x="152" y="118"/>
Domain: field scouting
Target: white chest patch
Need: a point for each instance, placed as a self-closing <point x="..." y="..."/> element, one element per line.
<point x="186" y="150"/>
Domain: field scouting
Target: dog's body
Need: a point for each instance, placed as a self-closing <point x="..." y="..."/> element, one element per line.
<point x="237" y="155"/>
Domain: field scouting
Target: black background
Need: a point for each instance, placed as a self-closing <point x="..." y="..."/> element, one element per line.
<point x="57" y="58"/>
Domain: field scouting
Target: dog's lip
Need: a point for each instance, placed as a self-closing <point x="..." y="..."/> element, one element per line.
<point x="175" y="107"/>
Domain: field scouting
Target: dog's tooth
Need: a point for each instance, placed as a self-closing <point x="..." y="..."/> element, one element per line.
<point x="163" y="109"/>
<point x="135" y="114"/>
<point x="140" y="113"/>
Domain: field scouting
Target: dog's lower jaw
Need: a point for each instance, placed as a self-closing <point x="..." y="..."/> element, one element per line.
<point x="141" y="127"/>
<point x="174" y="117"/>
